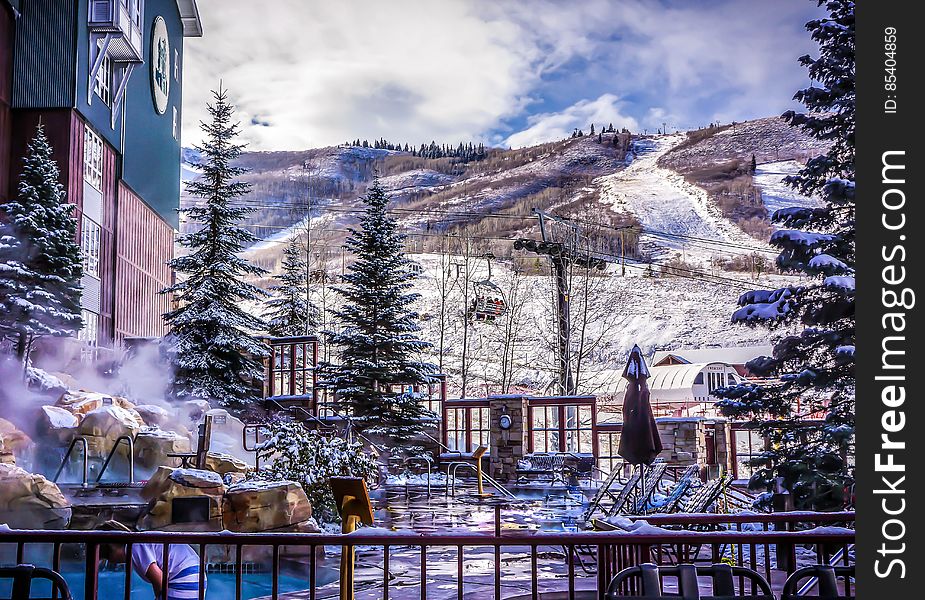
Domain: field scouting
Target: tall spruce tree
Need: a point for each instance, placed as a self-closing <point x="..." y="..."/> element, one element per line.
<point x="289" y="312"/>
<point x="40" y="260"/>
<point x="215" y="356"/>
<point x="378" y="342"/>
<point x="809" y="415"/>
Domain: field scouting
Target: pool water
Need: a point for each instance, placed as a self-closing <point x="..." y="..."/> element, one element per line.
<point x="112" y="580"/>
<point x="396" y="507"/>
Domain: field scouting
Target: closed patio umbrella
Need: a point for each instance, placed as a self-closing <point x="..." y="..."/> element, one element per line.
<point x="640" y="443"/>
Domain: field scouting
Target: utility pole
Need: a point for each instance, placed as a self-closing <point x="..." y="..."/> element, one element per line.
<point x="561" y="256"/>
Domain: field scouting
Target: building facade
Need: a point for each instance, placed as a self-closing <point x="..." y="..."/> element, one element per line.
<point x="104" y="78"/>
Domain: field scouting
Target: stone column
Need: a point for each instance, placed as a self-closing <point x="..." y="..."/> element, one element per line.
<point x="507" y="446"/>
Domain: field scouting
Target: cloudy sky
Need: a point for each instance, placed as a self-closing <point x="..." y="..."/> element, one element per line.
<point x="308" y="73"/>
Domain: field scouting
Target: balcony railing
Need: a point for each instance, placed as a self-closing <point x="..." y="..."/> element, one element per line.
<point x="120" y="21"/>
<point x="590" y="559"/>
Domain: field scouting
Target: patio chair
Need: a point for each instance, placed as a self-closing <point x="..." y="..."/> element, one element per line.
<point x="23" y="575"/>
<point x="647" y="581"/>
<point x="610" y="503"/>
<point x="826" y="577"/>
<point x="679" y="490"/>
<point x="705" y="495"/>
<point x="550" y="464"/>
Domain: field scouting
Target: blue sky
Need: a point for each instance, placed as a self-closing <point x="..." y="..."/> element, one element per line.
<point x="308" y="73"/>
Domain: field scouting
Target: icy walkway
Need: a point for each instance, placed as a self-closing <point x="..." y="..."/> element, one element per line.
<point x="666" y="204"/>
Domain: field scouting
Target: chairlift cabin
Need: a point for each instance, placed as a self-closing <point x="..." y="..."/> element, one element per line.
<point x="488" y="303"/>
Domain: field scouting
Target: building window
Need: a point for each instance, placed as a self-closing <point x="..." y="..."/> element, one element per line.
<point x="103" y="85"/>
<point x="93" y="159"/>
<point x="89" y="335"/>
<point x="90" y="246"/>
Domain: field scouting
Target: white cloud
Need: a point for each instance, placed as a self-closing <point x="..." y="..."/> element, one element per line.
<point x="311" y="72"/>
<point x="546" y="127"/>
<point x="323" y="72"/>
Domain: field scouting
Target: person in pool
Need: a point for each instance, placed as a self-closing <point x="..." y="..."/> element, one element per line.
<point x="147" y="561"/>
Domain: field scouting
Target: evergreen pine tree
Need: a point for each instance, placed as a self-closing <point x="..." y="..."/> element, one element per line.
<point x="592" y="129"/>
<point x="809" y="416"/>
<point x="378" y="341"/>
<point x="214" y="355"/>
<point x="289" y="313"/>
<point x="754" y="165"/>
<point x="40" y="260"/>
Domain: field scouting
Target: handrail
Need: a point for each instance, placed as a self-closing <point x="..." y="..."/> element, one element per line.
<point x="428" y="462"/>
<point x="777" y="517"/>
<point x="451" y="476"/>
<point x="416" y="538"/>
<point x="67" y="455"/>
<point x="131" y="458"/>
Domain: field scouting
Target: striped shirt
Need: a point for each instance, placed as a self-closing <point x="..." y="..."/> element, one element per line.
<point x="183" y="566"/>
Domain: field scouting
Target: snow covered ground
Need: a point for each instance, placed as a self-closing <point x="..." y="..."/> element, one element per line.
<point x="769" y="177"/>
<point x="668" y="206"/>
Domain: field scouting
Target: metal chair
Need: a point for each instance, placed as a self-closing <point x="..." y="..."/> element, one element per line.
<point x="826" y="576"/>
<point x="650" y="581"/>
<point x="22" y="576"/>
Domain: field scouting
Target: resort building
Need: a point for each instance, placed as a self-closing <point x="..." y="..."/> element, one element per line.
<point x="104" y="77"/>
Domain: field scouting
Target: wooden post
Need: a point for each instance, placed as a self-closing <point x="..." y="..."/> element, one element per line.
<point x="205" y="440"/>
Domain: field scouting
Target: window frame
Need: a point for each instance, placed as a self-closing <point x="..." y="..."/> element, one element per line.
<point x="90" y="239"/>
<point x="93" y="159"/>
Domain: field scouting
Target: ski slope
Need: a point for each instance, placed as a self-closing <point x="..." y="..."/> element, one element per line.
<point x="769" y="177"/>
<point x="669" y="207"/>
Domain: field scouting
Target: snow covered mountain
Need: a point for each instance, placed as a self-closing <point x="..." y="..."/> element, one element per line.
<point x="675" y="286"/>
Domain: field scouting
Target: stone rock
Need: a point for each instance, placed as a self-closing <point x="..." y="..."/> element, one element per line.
<point x="104" y="425"/>
<point x="44" y="382"/>
<point x="221" y="463"/>
<point x="264" y="505"/>
<point x="152" y="445"/>
<point x="155" y="416"/>
<point x="14" y="440"/>
<point x="80" y="402"/>
<point x="29" y="501"/>
<point x="167" y="484"/>
<point x="57" y="424"/>
<point x="228" y="435"/>
<point x="195" y="409"/>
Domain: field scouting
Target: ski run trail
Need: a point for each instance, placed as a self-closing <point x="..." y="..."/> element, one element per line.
<point x="677" y="217"/>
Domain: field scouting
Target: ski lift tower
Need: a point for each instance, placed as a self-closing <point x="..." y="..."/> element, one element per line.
<point x="562" y="254"/>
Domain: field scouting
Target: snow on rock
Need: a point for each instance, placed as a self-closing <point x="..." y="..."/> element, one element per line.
<point x="80" y="402"/>
<point x="43" y="381"/>
<point x="168" y="483"/>
<point x="57" y="424"/>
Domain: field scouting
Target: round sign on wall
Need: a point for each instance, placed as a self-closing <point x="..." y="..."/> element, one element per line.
<point x="160" y="65"/>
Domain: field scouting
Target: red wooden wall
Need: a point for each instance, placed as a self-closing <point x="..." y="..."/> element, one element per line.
<point x="144" y="244"/>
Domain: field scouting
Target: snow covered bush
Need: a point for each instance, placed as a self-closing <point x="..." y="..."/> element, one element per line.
<point x="295" y="453"/>
<point x="40" y="260"/>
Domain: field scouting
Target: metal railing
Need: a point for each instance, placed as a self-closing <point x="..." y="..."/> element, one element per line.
<point x="67" y="456"/>
<point x="418" y="552"/>
<point x="131" y="458"/>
